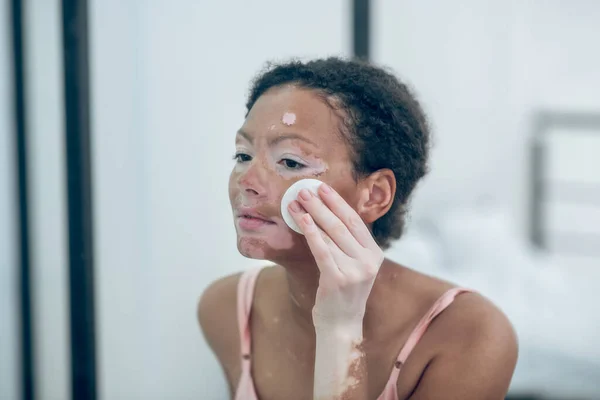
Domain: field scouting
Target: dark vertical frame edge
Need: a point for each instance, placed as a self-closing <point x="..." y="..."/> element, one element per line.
<point x="26" y="345"/>
<point x="361" y="29"/>
<point x="79" y="199"/>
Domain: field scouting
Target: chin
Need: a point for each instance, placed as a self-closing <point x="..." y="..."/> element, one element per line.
<point x="250" y="247"/>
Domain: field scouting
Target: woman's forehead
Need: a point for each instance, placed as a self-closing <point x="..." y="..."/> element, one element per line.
<point x="290" y="109"/>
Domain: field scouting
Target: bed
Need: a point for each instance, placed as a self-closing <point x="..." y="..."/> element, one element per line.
<point x="555" y="311"/>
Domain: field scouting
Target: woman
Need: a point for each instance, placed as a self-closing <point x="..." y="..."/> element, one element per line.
<point x="333" y="318"/>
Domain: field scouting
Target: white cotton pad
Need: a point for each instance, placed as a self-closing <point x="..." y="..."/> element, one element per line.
<point x="292" y="194"/>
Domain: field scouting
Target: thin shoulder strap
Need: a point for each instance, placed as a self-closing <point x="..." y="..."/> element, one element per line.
<point x="440" y="305"/>
<point x="245" y="293"/>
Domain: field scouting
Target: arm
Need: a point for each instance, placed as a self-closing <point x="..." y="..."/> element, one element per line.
<point x="340" y="364"/>
<point x="348" y="259"/>
<point x="479" y="361"/>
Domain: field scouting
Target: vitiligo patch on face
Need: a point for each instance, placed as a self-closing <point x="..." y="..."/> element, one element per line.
<point x="288" y="119"/>
<point x="292" y="194"/>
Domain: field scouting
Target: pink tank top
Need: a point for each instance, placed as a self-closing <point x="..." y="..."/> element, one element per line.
<point x="245" y="294"/>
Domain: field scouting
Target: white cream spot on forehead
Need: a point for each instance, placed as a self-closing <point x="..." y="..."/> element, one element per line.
<point x="288" y="119"/>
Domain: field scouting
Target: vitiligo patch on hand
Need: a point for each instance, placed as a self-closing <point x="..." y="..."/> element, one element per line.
<point x="292" y="194"/>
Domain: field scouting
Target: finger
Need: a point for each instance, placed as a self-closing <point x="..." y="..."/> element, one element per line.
<point x="345" y="264"/>
<point x="348" y="216"/>
<point x="318" y="247"/>
<point x="331" y="224"/>
<point x="341" y="260"/>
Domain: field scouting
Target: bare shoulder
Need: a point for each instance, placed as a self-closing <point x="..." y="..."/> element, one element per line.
<point x="217" y="316"/>
<point x="469" y="350"/>
<point x="470" y="317"/>
<point x="218" y="302"/>
<point x="473" y="320"/>
<point x="477" y="354"/>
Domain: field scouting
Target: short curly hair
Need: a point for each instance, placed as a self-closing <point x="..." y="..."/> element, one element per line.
<point x="383" y="123"/>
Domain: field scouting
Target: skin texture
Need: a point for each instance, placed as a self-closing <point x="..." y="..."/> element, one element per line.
<point x="468" y="352"/>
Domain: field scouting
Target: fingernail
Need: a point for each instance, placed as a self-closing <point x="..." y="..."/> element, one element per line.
<point x="305" y="194"/>
<point x="325" y="188"/>
<point x="295" y="206"/>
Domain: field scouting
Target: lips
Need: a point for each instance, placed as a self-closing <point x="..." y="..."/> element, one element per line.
<point x="250" y="220"/>
<point x="246" y="212"/>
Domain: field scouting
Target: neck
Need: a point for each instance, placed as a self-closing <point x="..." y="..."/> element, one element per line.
<point x="303" y="281"/>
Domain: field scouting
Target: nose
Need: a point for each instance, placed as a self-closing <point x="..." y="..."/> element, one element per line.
<point x="254" y="179"/>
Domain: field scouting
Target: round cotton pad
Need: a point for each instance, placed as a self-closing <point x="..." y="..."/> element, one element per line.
<point x="292" y="194"/>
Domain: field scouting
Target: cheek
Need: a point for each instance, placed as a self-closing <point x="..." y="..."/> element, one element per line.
<point x="232" y="179"/>
<point x="286" y="245"/>
<point x="284" y="240"/>
<point x="280" y="243"/>
<point x="236" y="187"/>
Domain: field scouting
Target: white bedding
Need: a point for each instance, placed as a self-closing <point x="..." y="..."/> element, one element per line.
<point x="554" y="306"/>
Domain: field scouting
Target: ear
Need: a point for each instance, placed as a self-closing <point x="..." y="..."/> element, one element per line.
<point x="377" y="193"/>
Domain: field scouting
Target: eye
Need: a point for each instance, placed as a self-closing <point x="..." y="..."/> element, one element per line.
<point x="291" y="164"/>
<point x="241" y="157"/>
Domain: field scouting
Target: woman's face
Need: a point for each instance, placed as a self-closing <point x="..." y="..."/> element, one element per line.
<point x="289" y="134"/>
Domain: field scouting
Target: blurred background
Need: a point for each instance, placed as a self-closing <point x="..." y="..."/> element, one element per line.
<point x="511" y="206"/>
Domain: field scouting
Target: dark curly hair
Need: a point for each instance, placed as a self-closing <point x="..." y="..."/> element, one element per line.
<point x="383" y="123"/>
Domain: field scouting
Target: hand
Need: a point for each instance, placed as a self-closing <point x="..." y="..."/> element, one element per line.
<point x="345" y="252"/>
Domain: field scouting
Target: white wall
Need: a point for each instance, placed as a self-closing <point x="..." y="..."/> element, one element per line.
<point x="9" y="306"/>
<point x="481" y="70"/>
<point x="169" y="86"/>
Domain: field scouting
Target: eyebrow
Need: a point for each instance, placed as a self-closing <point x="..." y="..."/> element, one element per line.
<point x="278" y="139"/>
